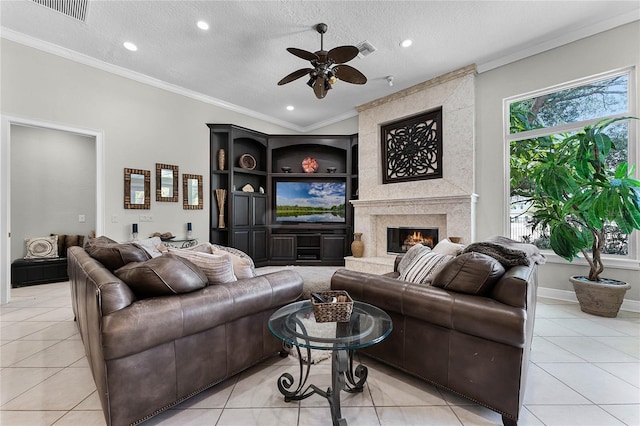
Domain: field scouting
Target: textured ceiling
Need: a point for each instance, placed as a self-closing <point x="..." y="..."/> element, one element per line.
<point x="239" y="60"/>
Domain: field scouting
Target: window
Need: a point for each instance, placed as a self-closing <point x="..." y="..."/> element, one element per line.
<point x="538" y="122"/>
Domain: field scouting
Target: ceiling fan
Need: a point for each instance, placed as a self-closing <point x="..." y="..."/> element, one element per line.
<point x="328" y="67"/>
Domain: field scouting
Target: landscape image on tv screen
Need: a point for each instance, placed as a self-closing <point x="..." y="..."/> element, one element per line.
<point x="310" y="201"/>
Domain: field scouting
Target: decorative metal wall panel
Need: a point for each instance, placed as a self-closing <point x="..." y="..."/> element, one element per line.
<point x="412" y="148"/>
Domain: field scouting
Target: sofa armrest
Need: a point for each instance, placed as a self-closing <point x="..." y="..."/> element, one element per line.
<point x="475" y="315"/>
<point x="151" y="322"/>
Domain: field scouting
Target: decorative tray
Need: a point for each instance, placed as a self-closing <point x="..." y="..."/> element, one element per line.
<point x="247" y="161"/>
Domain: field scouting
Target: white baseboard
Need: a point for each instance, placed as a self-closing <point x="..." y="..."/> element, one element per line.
<point x="570" y="296"/>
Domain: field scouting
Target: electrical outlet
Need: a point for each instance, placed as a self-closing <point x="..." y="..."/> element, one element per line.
<point x="146" y="218"/>
<point x="114" y="218"/>
<point x="81" y="218"/>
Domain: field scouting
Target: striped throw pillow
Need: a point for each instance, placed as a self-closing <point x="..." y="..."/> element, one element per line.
<point x="217" y="268"/>
<point x="424" y="267"/>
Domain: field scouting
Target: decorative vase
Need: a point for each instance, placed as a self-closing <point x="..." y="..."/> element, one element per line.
<point x="221" y="157"/>
<point x="357" y="246"/>
<point x="600" y="298"/>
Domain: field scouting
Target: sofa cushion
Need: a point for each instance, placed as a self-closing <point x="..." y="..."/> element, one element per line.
<point x="101" y="240"/>
<point x="243" y="267"/>
<point x="424" y="267"/>
<point x="62" y="248"/>
<point x="217" y="268"/>
<point x="41" y="247"/>
<point x="410" y="256"/>
<point x="72" y="241"/>
<point x="470" y="273"/>
<point x="447" y="247"/>
<point x="115" y="255"/>
<point x="162" y="276"/>
<point x="150" y="245"/>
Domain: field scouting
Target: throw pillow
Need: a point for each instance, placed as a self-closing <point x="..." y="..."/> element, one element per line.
<point x="202" y="247"/>
<point x="410" y="256"/>
<point x="162" y="276"/>
<point x="217" y="268"/>
<point x="72" y="240"/>
<point x="150" y="245"/>
<point x="447" y="247"/>
<point x="62" y="249"/>
<point x="424" y="267"/>
<point x="101" y="240"/>
<point x="242" y="266"/>
<point x="42" y="247"/>
<point x="115" y="255"/>
<point x="470" y="273"/>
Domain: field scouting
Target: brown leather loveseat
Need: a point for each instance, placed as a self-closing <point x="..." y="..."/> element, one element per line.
<point x="149" y="353"/>
<point x="469" y="331"/>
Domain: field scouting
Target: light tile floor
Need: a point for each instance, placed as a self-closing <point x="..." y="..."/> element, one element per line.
<point x="585" y="370"/>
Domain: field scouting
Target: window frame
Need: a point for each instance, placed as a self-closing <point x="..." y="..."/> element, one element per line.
<point x="631" y="260"/>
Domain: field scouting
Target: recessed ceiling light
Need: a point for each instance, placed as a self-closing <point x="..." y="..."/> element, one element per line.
<point x="290" y="108"/>
<point x="130" y="46"/>
<point x="203" y="25"/>
<point x="406" y="43"/>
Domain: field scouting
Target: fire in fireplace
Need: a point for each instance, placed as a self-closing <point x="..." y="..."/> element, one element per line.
<point x="401" y="239"/>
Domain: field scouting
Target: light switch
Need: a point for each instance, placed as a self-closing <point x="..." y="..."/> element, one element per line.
<point x="81" y="218"/>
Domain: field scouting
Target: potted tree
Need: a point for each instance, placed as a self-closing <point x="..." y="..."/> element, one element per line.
<point x="576" y="196"/>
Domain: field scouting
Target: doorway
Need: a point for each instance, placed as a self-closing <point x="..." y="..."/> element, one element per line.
<point x="38" y="184"/>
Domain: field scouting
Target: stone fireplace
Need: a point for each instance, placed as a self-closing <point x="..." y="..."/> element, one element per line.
<point x="446" y="204"/>
<point x="402" y="238"/>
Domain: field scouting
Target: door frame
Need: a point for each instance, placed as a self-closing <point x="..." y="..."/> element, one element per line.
<point x="6" y="123"/>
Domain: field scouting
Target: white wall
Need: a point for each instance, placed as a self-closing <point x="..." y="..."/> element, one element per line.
<point x="142" y="126"/>
<point x="53" y="181"/>
<point x="614" y="49"/>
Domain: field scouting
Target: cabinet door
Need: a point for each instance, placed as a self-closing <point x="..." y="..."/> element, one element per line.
<point x="259" y="244"/>
<point x="333" y="247"/>
<point x="259" y="211"/>
<point x="241" y="209"/>
<point x="283" y="247"/>
<point x="241" y="240"/>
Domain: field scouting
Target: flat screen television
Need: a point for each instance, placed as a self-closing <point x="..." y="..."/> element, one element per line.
<point x="310" y="202"/>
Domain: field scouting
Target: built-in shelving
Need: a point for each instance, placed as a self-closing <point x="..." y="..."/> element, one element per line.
<point x="250" y="223"/>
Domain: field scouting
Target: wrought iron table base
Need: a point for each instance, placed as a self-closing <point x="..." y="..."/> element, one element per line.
<point x="343" y="378"/>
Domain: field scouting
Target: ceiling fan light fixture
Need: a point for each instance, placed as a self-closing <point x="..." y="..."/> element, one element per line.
<point x="328" y="66"/>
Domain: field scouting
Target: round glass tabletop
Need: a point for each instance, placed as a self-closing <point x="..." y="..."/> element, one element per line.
<point x="296" y="324"/>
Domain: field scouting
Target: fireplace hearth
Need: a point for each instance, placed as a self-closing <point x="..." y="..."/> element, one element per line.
<point x="401" y="239"/>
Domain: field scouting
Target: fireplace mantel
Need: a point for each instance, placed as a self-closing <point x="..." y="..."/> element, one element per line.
<point x="424" y="201"/>
<point x="447" y="203"/>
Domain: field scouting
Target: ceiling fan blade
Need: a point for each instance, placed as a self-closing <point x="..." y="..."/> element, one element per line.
<point x="303" y="54"/>
<point x="294" y="76"/>
<point x="343" y="54"/>
<point x="319" y="88"/>
<point x="349" y="74"/>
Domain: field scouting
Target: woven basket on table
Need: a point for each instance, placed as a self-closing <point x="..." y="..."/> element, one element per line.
<point x="333" y="312"/>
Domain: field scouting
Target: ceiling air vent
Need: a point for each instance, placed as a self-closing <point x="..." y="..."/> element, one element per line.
<point x="365" y="48"/>
<point x="76" y="9"/>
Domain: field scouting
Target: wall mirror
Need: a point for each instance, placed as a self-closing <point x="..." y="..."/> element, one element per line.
<point x="191" y="192"/>
<point x="137" y="189"/>
<point x="166" y="183"/>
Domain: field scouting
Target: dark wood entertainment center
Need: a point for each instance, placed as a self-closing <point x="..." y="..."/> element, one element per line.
<point x="250" y="220"/>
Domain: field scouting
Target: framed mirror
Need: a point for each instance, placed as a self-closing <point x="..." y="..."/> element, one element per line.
<point x="192" y="192"/>
<point x="137" y="189"/>
<point x="166" y="183"/>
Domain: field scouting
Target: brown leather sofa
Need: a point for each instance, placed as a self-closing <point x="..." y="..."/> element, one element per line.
<point x="476" y="346"/>
<point x="149" y="354"/>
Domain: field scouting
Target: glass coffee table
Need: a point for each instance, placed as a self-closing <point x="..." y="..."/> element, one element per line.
<point x="295" y="325"/>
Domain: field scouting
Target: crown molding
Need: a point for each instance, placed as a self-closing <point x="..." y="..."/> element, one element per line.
<point x="569" y="37"/>
<point x="63" y="52"/>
